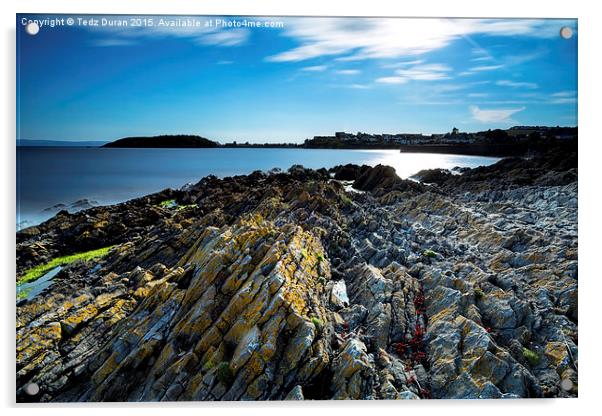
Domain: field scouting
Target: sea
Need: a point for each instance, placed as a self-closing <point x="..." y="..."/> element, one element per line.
<point x="58" y="177"/>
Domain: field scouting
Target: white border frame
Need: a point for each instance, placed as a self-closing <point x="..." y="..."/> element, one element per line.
<point x="590" y="22"/>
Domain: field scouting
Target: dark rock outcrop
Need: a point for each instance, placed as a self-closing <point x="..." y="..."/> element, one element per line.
<point x="437" y="176"/>
<point x="349" y="172"/>
<point x="165" y="141"/>
<point x="378" y="177"/>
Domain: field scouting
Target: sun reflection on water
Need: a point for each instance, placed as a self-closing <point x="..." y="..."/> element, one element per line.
<point x="408" y="164"/>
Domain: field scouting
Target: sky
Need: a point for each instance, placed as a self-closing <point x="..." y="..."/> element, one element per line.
<point x="226" y="78"/>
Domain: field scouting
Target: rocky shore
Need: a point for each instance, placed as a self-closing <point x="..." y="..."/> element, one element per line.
<point x="312" y="284"/>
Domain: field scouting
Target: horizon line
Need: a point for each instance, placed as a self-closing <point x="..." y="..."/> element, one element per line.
<point x="293" y="140"/>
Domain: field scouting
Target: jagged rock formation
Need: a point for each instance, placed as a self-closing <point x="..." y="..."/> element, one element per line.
<point x="285" y="286"/>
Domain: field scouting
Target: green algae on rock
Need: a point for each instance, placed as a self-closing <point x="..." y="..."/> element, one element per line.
<point x="38" y="271"/>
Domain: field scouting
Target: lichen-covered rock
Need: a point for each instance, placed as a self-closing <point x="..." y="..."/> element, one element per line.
<point x="285" y="286"/>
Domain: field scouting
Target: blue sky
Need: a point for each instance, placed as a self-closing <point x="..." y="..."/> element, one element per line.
<point x="304" y="77"/>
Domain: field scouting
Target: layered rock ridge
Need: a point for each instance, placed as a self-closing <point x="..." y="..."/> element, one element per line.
<point x="286" y="286"/>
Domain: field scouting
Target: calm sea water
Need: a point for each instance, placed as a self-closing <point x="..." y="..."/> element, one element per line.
<point x="50" y="176"/>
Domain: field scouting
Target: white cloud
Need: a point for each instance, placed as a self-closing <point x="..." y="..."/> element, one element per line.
<point x="427" y="72"/>
<point x="485" y="68"/>
<point x="564" y="97"/>
<point x="348" y="71"/>
<point x="494" y="115"/>
<point x="490" y="63"/>
<point x="403" y="64"/>
<point x="521" y="59"/>
<point x="482" y="58"/>
<point x="564" y="94"/>
<point x="564" y="100"/>
<point x="506" y="102"/>
<point x="365" y="38"/>
<point x="202" y="35"/>
<point x="392" y="80"/>
<point x="352" y="86"/>
<point x="230" y="37"/>
<point x="359" y="86"/>
<point x="516" y="84"/>
<point x="478" y="95"/>
<point x="315" y="68"/>
<point x="480" y="68"/>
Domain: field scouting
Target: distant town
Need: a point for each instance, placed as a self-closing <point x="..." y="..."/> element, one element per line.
<point x="455" y="136"/>
<point x="517" y="133"/>
<point x="516" y="140"/>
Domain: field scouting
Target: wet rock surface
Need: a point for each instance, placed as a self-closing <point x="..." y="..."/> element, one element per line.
<point x="285" y="286"/>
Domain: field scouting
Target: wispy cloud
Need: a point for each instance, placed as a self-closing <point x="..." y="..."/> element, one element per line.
<point x="479" y="69"/>
<point x="564" y="97"/>
<point x="521" y="59"/>
<point x="391" y="80"/>
<point x="352" y="86"/>
<point x="485" y="68"/>
<point x="402" y="64"/>
<point x="348" y="71"/>
<point x="315" y="68"/>
<point x="427" y="72"/>
<point x="504" y="62"/>
<point x="356" y="39"/>
<point x="482" y="58"/>
<point x="561" y="94"/>
<point x="359" y="86"/>
<point x="230" y="37"/>
<point x="494" y="115"/>
<point x="568" y="100"/>
<point x="202" y="35"/>
<point x="516" y="84"/>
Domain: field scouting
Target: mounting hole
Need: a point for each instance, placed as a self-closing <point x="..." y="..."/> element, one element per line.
<point x="32" y="28"/>
<point x="32" y="389"/>
<point x="566" y="32"/>
<point x="566" y="384"/>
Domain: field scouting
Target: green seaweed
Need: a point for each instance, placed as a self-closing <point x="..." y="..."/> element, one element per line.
<point x="183" y="207"/>
<point x="224" y="373"/>
<point x="168" y="203"/>
<point x="317" y="323"/>
<point x="531" y="357"/>
<point x="345" y="199"/>
<point x="429" y="253"/>
<point x="22" y="293"/>
<point x="38" y="271"/>
<point x="208" y="365"/>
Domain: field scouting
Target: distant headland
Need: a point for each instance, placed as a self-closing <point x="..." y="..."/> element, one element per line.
<point x="164" y="141"/>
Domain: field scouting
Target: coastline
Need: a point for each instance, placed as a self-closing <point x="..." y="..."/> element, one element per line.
<point x="299" y="258"/>
<point x="469" y="150"/>
<point x="107" y="176"/>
